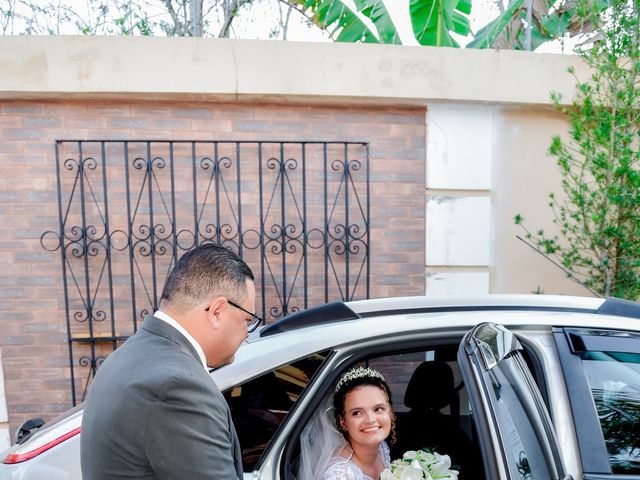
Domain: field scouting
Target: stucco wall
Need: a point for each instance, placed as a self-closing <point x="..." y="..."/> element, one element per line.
<point x="248" y="70"/>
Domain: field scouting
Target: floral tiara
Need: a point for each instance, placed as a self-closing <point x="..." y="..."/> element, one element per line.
<point x="358" y="372"/>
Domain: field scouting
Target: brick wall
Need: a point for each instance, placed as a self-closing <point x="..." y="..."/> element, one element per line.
<point x="33" y="333"/>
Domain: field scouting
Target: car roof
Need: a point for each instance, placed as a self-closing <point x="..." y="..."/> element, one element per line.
<point x="339" y="311"/>
<point x="340" y="324"/>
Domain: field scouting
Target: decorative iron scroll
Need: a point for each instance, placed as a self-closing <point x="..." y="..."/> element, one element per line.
<point x="297" y="212"/>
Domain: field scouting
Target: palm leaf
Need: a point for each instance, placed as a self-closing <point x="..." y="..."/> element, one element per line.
<point x="336" y="17"/>
<point x="376" y="11"/>
<point x="434" y="20"/>
<point x="490" y="33"/>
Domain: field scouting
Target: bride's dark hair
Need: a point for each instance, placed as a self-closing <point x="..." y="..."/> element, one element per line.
<point x="358" y="377"/>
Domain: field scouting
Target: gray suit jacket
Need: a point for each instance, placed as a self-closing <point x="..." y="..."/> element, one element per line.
<point x="153" y="412"/>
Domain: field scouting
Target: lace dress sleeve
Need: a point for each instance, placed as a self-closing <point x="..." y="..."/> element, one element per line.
<point x="342" y="469"/>
<point x="386" y="454"/>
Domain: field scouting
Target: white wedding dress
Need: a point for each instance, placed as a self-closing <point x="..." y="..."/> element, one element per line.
<point x="341" y="468"/>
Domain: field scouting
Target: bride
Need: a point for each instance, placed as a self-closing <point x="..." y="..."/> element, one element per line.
<point x="345" y="440"/>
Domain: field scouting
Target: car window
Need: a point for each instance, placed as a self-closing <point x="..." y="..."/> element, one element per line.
<point x="492" y="362"/>
<point x="517" y="419"/>
<point x="259" y="406"/>
<point x="431" y="407"/>
<point x="614" y="381"/>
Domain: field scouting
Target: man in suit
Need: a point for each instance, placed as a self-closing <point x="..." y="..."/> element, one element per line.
<point x="153" y="411"/>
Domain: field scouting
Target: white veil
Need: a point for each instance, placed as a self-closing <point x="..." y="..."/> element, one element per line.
<point x="319" y="442"/>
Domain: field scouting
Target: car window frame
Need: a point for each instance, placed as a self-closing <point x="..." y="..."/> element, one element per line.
<point x="292" y="412"/>
<point x="476" y="357"/>
<point x="344" y="357"/>
<point x="591" y="442"/>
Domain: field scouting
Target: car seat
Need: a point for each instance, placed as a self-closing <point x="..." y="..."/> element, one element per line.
<point x="431" y="389"/>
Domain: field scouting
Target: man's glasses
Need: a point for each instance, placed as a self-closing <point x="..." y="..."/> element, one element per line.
<point x="255" y="319"/>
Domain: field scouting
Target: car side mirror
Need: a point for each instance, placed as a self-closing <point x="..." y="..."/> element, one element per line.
<point x="26" y="429"/>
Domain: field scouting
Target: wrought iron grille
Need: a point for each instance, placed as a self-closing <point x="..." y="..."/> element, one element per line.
<point x="297" y="212"/>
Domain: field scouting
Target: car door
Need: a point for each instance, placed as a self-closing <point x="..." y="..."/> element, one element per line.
<point x="514" y="428"/>
<point x="602" y="372"/>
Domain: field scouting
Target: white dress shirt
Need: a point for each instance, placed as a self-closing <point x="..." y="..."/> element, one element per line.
<point x="166" y="318"/>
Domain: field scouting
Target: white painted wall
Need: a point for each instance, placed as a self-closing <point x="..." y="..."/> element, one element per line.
<point x="5" y="440"/>
<point x="459" y="139"/>
<point x="459" y="162"/>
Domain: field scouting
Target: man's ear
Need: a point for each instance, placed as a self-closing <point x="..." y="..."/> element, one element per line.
<point x="216" y="306"/>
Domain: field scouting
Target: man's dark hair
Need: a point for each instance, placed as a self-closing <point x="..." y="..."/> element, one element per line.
<point x="203" y="273"/>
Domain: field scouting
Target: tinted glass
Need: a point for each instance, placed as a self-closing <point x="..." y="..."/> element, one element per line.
<point x="520" y="420"/>
<point x="614" y="380"/>
<point x="259" y="406"/>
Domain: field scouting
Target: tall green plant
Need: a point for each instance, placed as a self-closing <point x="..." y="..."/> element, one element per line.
<point x="599" y="214"/>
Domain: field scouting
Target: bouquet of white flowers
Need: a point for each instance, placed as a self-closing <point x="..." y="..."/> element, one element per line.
<point x="420" y="465"/>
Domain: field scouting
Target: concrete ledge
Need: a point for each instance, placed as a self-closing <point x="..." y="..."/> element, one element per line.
<point x="252" y="70"/>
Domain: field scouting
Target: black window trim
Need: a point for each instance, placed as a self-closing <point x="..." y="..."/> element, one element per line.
<point x="591" y="443"/>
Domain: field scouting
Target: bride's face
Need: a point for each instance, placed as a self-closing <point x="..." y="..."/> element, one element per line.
<point x="367" y="415"/>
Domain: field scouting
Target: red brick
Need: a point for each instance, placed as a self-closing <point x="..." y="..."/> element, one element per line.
<point x="33" y="332"/>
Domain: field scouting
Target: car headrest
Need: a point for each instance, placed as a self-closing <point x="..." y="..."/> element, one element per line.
<point x="431" y="386"/>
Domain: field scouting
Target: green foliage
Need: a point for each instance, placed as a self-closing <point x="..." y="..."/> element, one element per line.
<point x="598" y="218"/>
<point x="549" y="21"/>
<point x="434" y="20"/>
<point x="497" y="28"/>
<point x="344" y="25"/>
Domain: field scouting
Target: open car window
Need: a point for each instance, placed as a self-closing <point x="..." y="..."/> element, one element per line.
<point x="259" y="406"/>
<point x="429" y="401"/>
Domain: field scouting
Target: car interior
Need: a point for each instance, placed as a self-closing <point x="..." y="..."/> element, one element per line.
<point x="429" y="400"/>
<point x="432" y="407"/>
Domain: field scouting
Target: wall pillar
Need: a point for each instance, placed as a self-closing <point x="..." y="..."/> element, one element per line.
<point x="5" y="439"/>
<point x="458" y="201"/>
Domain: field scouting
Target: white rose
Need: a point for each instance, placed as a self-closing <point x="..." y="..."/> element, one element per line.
<point x="428" y="457"/>
<point x="387" y="475"/>
<point x="440" y="465"/>
<point x="409" y="455"/>
<point x="411" y="473"/>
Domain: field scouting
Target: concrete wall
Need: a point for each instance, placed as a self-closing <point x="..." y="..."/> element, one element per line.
<point x="458" y="141"/>
<point x="485" y="164"/>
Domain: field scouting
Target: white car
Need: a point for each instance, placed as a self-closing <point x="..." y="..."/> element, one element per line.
<point x="544" y="387"/>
